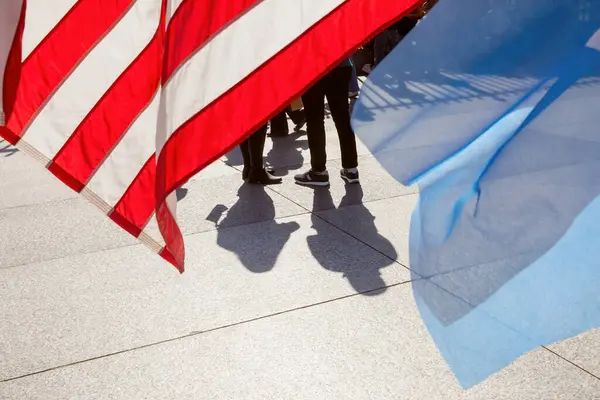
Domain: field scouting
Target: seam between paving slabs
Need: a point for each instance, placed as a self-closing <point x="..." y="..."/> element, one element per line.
<point x="223" y="326"/>
<point x="197" y="333"/>
<point x="571" y="362"/>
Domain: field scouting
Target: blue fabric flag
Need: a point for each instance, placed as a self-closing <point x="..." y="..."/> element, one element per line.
<point x="493" y="108"/>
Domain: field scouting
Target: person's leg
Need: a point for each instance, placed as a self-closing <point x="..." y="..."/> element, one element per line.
<point x="337" y="98"/>
<point x="256" y="146"/>
<point x="353" y="89"/>
<point x="314" y="107"/>
<point x="298" y="117"/>
<point x="279" y="125"/>
<point x="246" y="157"/>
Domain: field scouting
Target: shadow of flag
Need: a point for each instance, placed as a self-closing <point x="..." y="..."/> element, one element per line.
<point x="493" y="109"/>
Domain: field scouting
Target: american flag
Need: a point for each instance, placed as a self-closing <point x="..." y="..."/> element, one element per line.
<point x="125" y="100"/>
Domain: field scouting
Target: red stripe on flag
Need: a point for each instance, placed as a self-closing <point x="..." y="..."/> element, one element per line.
<point x="61" y="50"/>
<point x="195" y="145"/>
<point x="194" y="23"/>
<point x="12" y="76"/>
<point x="110" y="118"/>
<point x="136" y="206"/>
<point x="174" y="252"/>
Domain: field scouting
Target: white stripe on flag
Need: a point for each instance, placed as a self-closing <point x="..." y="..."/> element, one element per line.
<point x="92" y="78"/>
<point x="41" y="17"/>
<point x="120" y="168"/>
<point x="151" y="235"/>
<point x="172" y="6"/>
<point x="233" y="54"/>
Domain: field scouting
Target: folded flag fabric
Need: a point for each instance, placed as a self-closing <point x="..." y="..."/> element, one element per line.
<point x="491" y="108"/>
<point x="125" y="100"/>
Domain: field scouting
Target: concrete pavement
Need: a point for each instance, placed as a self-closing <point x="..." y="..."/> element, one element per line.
<point x="289" y="293"/>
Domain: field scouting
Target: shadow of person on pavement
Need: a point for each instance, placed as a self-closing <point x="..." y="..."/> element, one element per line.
<point x="8" y="150"/>
<point x="234" y="157"/>
<point x="259" y="244"/>
<point x="181" y="193"/>
<point x="361" y="269"/>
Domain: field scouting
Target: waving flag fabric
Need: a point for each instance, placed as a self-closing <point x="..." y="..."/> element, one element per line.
<point x="124" y="100"/>
<point x="491" y="107"/>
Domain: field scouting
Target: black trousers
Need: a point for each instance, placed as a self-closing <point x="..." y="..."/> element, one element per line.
<point x="279" y="122"/>
<point x="252" y="149"/>
<point x="334" y="86"/>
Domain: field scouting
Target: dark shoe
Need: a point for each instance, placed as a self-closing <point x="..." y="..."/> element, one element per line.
<point x="350" y="177"/>
<point x="263" y="177"/>
<point x="312" y="178"/>
<point x="246" y="172"/>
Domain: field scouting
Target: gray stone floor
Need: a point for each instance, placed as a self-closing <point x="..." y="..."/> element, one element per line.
<point x="290" y="293"/>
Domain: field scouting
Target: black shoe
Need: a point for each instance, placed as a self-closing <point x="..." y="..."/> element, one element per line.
<point x="312" y="178"/>
<point x="349" y="177"/>
<point x="246" y="172"/>
<point x="263" y="177"/>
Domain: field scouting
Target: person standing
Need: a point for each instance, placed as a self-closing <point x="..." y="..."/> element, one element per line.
<point x="252" y="153"/>
<point x="279" y="124"/>
<point x="334" y="86"/>
<point x="354" y="89"/>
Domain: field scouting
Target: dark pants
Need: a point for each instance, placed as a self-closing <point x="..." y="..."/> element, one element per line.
<point x="252" y="149"/>
<point x="354" y="88"/>
<point x="279" y="122"/>
<point x="334" y="86"/>
<point x="382" y="43"/>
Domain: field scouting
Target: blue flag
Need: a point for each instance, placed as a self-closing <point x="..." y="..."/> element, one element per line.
<point x="493" y="109"/>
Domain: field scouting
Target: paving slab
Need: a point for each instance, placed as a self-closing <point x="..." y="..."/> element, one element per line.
<point x="355" y="348"/>
<point x="208" y="202"/>
<point x="39" y="231"/>
<point x="24" y="181"/>
<point x="217" y="169"/>
<point x="376" y="184"/>
<point x="55" y="229"/>
<point x="84" y="306"/>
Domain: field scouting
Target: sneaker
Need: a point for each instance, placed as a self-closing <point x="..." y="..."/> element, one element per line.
<point x="312" y="178"/>
<point x="350" y="175"/>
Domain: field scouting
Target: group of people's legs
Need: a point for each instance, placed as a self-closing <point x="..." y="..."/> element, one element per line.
<point x="336" y="86"/>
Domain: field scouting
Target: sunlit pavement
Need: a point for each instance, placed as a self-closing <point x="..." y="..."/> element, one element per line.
<point x="289" y="293"/>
